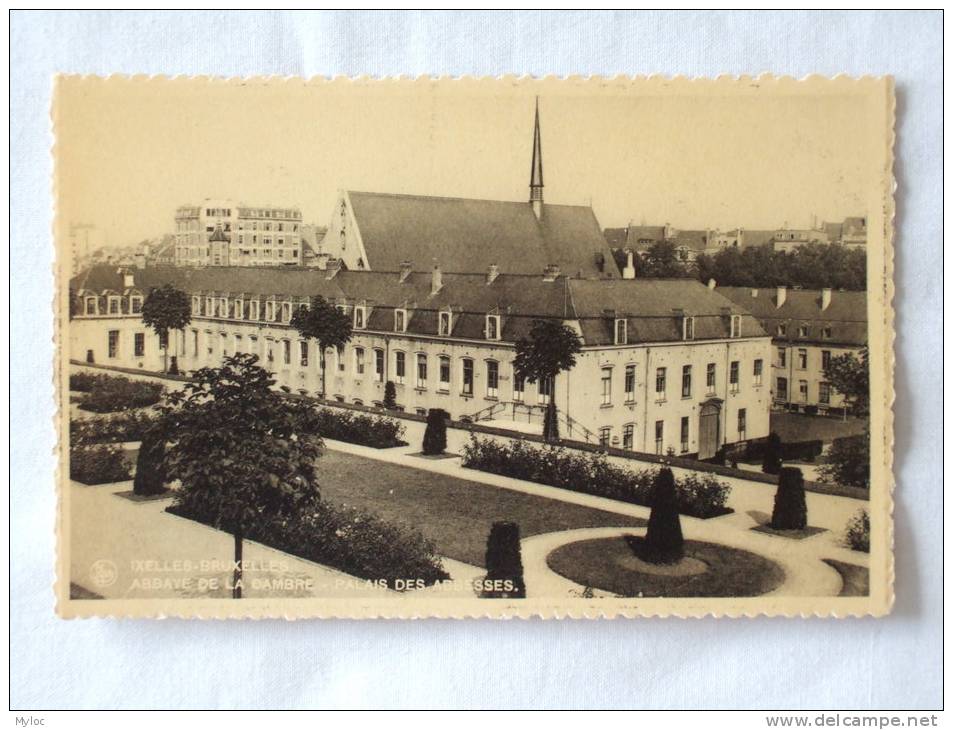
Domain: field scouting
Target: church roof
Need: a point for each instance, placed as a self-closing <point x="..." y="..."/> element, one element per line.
<point x="468" y="235"/>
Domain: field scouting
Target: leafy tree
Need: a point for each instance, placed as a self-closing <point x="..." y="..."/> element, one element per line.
<point x="550" y="348"/>
<point x="663" y="537"/>
<point x="166" y="308"/>
<point x="848" y="461"/>
<point x="325" y="323"/>
<point x="662" y="261"/>
<point x="850" y="376"/>
<point x="243" y="452"/>
<point x="812" y="266"/>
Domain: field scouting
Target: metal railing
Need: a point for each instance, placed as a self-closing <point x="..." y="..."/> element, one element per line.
<point x="517" y="411"/>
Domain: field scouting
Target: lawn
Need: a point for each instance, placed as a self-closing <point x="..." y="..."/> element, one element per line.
<point x="801" y="427"/>
<point x="455" y="513"/>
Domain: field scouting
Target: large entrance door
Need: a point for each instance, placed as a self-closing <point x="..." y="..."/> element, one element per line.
<point x="709" y="428"/>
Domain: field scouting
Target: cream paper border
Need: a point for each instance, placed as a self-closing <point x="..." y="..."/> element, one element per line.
<point x="881" y="209"/>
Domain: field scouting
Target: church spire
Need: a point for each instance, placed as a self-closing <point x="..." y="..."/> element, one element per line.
<point x="536" y="174"/>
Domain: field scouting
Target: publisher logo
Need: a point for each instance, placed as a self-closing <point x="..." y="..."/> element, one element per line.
<point x="103" y="573"/>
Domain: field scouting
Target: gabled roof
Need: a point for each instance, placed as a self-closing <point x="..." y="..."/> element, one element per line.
<point x="845" y="316"/>
<point x="468" y="235"/>
<point x="615" y="237"/>
<point x="694" y="240"/>
<point x="641" y="238"/>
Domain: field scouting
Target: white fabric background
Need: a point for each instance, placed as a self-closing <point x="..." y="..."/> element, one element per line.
<point x="892" y="662"/>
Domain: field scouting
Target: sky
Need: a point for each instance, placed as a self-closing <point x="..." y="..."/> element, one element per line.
<point x="129" y="151"/>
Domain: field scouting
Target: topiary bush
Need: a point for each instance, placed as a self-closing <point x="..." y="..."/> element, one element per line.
<point x="663" y="538"/>
<point x="129" y="426"/>
<point x="150" y="470"/>
<point x="110" y="395"/>
<point x="435" y="435"/>
<point x="356" y="428"/>
<point x="771" y="458"/>
<point x="857" y="535"/>
<point x="504" y="563"/>
<point x="790" y="506"/>
<point x="390" y="395"/>
<point x="101" y="464"/>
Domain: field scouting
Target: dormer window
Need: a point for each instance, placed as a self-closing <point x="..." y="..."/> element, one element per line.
<point x="400" y="320"/>
<point x="445" y="324"/>
<point x="802" y="331"/>
<point x="135" y="304"/>
<point x="782" y="330"/>
<point x="238" y="309"/>
<point x="736" y="325"/>
<point x="196" y="305"/>
<point x="360" y="315"/>
<point x="621" y="331"/>
<point x="827" y="333"/>
<point x="253" y="309"/>
<point x="688" y="328"/>
<point x="286" y="312"/>
<point x="209" y="306"/>
<point x="222" y="307"/>
<point x="493" y="326"/>
<point x="270" y="311"/>
<point x="114" y="304"/>
<point x="92" y="305"/>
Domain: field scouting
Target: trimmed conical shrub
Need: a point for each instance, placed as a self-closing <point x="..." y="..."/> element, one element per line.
<point x="435" y="436"/>
<point x="504" y="563"/>
<point x="150" y="474"/>
<point x="663" y="538"/>
<point x="790" y="506"/>
<point x="771" y="460"/>
<point x="390" y="395"/>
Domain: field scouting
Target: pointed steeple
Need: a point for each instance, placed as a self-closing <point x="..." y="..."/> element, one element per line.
<point x="536" y="174"/>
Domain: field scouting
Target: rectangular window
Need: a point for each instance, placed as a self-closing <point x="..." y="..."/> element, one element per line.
<point x="303" y="346"/>
<point x="359" y="318"/>
<point x="444" y="372"/>
<point x="621" y="332"/>
<point x="782" y="330"/>
<point x="802" y="390"/>
<point x="827" y="333"/>
<point x="688" y="328"/>
<point x="222" y="307"/>
<point x="686" y="381"/>
<point x="742" y="424"/>
<point x="492" y="379"/>
<point x="802" y="331"/>
<point x="358" y="360"/>
<point x="139" y="343"/>
<point x="210" y="344"/>
<point x="606" y="386"/>
<point x="90" y="305"/>
<point x="782" y="393"/>
<point x="736" y="325"/>
<point x="824" y="393"/>
<point x="195" y="343"/>
<point x="492" y="327"/>
<point x="758" y="366"/>
<point x="286" y="312"/>
<point x="802" y="359"/>
<point x="342" y="366"/>
<point x="400" y="366"/>
<point x="254" y="310"/>
<point x="135" y="304"/>
<point x="196" y="306"/>
<point x="238" y="344"/>
<point x="286" y="352"/>
<point x="628" y="436"/>
<point x="659" y="436"/>
<point x="545" y="391"/>
<point x="782" y="357"/>
<point x="378" y="365"/>
<point x="734" y="376"/>
<point x="660" y="382"/>
<point x="270" y="311"/>
<point x="519" y="386"/>
<point x="710" y="377"/>
<point x="630" y="383"/>
<point x="605" y="436"/>
<point x="421" y="370"/>
<point x="400" y="320"/>
<point x="114" y="305"/>
<point x="825" y="359"/>
<point x="683" y="439"/>
<point x="445" y="324"/>
<point x="467" y="376"/>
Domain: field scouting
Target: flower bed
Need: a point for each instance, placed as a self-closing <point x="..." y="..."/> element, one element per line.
<point x="378" y="432"/>
<point x="351" y="540"/>
<point x="129" y="426"/>
<point x="101" y="464"/>
<point x="699" y="495"/>
<point x="110" y="394"/>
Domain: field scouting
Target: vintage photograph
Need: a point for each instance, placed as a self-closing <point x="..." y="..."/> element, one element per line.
<point x="474" y="348"/>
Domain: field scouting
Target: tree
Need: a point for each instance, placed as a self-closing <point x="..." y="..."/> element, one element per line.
<point x="504" y="562"/>
<point x="390" y="395"/>
<point x="150" y="470"/>
<point x="166" y="308"/>
<point x="325" y="323"/>
<point x="550" y="348"/>
<point x="662" y="261"/>
<point x="771" y="461"/>
<point x="848" y="461"/>
<point x="812" y="266"/>
<point x="663" y="537"/>
<point x="243" y="452"/>
<point x="790" y="506"/>
<point x="850" y="376"/>
<point x="435" y="435"/>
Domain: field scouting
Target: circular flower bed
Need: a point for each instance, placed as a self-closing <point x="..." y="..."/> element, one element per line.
<point x="708" y="570"/>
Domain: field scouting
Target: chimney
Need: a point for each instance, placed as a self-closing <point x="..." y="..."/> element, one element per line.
<point x="406" y="267"/>
<point x="712" y="284"/>
<point x="332" y="268"/>
<point x="128" y="279"/>
<point x="551" y="272"/>
<point x="825" y="299"/>
<point x="492" y="273"/>
<point x="782" y="296"/>
<point x="629" y="271"/>
<point x="436" y="281"/>
<point x="140" y="261"/>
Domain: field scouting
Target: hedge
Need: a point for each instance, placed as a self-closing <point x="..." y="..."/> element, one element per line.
<point x="379" y="432"/>
<point x="698" y="495"/>
<point x="129" y="426"/>
<point x="790" y="451"/>
<point x="84" y="382"/>
<point x="350" y="540"/>
<point x="110" y="394"/>
<point x="101" y="464"/>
